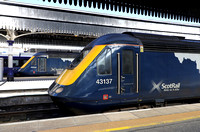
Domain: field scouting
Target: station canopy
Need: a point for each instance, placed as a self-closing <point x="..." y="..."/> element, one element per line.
<point x="93" y="18"/>
<point x="179" y="10"/>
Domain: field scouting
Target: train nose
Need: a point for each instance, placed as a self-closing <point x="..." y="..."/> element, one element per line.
<point x="55" y="89"/>
<point x="19" y="70"/>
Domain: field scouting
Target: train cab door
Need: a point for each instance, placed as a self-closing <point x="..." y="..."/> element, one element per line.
<point x="127" y="74"/>
<point x="42" y="64"/>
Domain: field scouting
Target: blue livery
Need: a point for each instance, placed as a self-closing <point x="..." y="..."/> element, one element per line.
<point x="47" y="63"/>
<point x="18" y="61"/>
<point x="132" y="68"/>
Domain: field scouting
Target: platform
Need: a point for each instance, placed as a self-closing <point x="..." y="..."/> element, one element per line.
<point x="23" y="90"/>
<point x="23" y="86"/>
<point x="32" y="78"/>
<point x="109" y="121"/>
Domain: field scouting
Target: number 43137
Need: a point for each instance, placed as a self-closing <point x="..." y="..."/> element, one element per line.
<point x="104" y="81"/>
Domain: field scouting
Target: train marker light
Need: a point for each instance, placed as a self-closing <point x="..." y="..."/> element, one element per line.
<point x="105" y="97"/>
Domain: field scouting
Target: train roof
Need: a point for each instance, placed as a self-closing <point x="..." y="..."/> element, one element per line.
<point x="150" y="42"/>
<point x="115" y="38"/>
<point x="163" y="43"/>
<point x="57" y="54"/>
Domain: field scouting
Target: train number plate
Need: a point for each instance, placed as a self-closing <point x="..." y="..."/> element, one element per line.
<point x="104" y="81"/>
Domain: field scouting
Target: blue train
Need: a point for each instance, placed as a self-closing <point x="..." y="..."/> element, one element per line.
<point x="18" y="61"/>
<point x="127" y="69"/>
<point x="47" y="63"/>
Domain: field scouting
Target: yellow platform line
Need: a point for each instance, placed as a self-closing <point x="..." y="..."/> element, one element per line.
<point x="130" y="124"/>
<point x="150" y="124"/>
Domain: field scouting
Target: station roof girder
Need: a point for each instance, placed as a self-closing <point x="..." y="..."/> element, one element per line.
<point x="184" y="10"/>
<point x="32" y="18"/>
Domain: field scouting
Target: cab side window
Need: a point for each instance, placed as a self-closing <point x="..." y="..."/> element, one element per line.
<point x="104" y="63"/>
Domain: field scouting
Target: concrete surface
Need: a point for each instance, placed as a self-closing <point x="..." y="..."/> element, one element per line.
<point x="134" y="124"/>
<point x="180" y="126"/>
<point x="23" y="85"/>
<point x="78" y="121"/>
<point x="120" y="116"/>
<point x="24" y="88"/>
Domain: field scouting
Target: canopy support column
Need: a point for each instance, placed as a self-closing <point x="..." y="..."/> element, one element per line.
<point x="10" y="75"/>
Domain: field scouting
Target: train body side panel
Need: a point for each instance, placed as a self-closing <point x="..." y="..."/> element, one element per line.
<point x="56" y="65"/>
<point x="169" y="75"/>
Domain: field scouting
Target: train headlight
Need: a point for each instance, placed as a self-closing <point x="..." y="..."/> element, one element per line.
<point x="55" y="89"/>
<point x="59" y="90"/>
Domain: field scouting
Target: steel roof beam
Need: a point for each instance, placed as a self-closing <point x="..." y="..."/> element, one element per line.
<point x="51" y="20"/>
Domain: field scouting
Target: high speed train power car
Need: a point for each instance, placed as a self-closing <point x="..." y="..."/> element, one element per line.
<point x="47" y="63"/>
<point x="129" y="68"/>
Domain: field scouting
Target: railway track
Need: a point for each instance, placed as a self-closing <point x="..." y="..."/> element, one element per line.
<point x="29" y="112"/>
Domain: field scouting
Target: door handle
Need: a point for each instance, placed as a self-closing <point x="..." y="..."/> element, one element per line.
<point x="122" y="90"/>
<point x="122" y="78"/>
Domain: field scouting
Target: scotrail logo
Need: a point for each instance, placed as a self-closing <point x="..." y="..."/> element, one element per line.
<point x="165" y="87"/>
<point x="156" y="86"/>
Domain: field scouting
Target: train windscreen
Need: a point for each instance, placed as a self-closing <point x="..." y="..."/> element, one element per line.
<point x="79" y="58"/>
